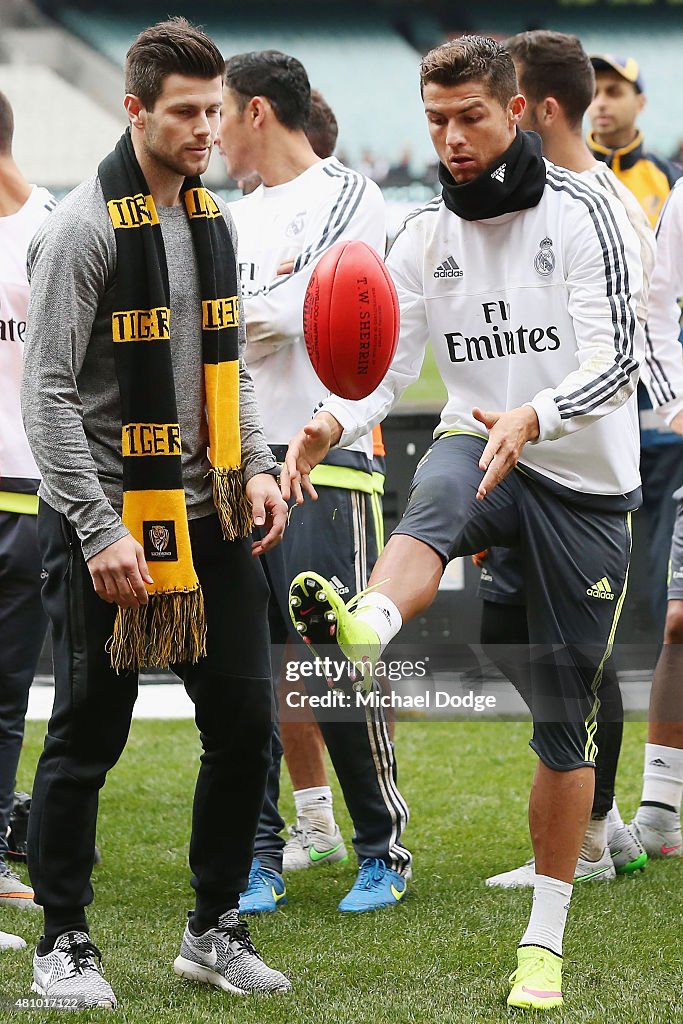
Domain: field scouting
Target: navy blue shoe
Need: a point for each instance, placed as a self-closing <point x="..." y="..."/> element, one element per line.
<point x="266" y="890"/>
<point x="377" y="886"/>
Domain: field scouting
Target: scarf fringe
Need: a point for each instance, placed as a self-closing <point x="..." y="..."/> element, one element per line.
<point x="169" y="630"/>
<point x="232" y="504"/>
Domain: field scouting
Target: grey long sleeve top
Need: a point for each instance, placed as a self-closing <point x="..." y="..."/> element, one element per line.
<point x="70" y="394"/>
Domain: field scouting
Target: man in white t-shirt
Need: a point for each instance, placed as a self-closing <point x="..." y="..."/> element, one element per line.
<point x="23" y="208"/>
<point x="305" y="205"/>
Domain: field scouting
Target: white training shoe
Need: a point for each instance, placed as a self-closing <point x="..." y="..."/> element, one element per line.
<point x="9" y="941"/>
<point x="627" y="851"/>
<point x="308" y="846"/>
<point x="658" y="842"/>
<point x="601" y="870"/>
<point x="72" y="974"/>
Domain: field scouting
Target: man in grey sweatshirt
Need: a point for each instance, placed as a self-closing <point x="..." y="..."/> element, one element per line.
<point x="93" y="565"/>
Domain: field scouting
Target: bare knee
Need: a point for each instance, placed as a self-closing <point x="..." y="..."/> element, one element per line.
<point x="673" y="627"/>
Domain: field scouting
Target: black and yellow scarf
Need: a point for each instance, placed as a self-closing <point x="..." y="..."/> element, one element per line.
<point x="171" y="628"/>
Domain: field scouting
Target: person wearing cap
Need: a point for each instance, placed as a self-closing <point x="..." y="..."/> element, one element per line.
<point x="615" y="138"/>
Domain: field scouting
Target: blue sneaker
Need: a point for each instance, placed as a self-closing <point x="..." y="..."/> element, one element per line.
<point x="376" y="886"/>
<point x="266" y="890"/>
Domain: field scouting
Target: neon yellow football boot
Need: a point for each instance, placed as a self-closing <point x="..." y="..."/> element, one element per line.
<point x="537" y="982"/>
<point x="320" y="618"/>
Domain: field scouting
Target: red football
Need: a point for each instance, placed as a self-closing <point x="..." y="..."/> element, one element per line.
<point x="351" y="319"/>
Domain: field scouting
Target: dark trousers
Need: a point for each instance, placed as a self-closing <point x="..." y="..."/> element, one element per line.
<point x="22" y="631"/>
<point x="231" y="691"/>
<point x="322" y="535"/>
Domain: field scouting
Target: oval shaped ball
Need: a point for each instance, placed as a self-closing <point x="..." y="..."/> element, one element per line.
<point x="351" y="319"/>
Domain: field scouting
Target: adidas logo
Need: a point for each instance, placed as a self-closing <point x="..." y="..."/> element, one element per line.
<point x="449" y="268"/>
<point x="658" y="763"/>
<point x="338" y="585"/>
<point x="602" y="590"/>
<point x="499" y="173"/>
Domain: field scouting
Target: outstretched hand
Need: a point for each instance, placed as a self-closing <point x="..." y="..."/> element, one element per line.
<point x="508" y="433"/>
<point x="306" y="449"/>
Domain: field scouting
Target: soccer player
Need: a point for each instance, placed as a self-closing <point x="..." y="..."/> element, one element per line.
<point x="537" y="340"/>
<point x="23" y="208"/>
<point x="557" y="80"/>
<point x="304" y="206"/>
<point x="133" y="368"/>
<point x="658" y="819"/>
<point x="616" y="140"/>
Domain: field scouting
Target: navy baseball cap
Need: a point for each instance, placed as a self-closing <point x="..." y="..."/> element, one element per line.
<point x="627" y="67"/>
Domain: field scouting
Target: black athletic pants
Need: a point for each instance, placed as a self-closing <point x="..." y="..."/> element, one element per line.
<point x="232" y="694"/>
<point x="22" y="631"/>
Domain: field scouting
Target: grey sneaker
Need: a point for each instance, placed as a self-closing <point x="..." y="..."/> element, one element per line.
<point x="658" y="842"/>
<point x="626" y="851"/>
<point x="13" y="892"/>
<point x="308" y="847"/>
<point x="72" y="973"/>
<point x="225" y="957"/>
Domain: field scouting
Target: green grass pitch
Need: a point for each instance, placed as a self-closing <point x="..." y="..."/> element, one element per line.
<point x="442" y="956"/>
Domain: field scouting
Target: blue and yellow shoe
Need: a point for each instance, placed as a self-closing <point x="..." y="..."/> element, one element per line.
<point x="266" y="890"/>
<point x="537" y="982"/>
<point x="320" y="617"/>
<point x="377" y="886"/>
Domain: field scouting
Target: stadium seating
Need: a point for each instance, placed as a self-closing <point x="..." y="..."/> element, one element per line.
<point x="653" y="37"/>
<point x="363" y="67"/>
<point x="61" y="134"/>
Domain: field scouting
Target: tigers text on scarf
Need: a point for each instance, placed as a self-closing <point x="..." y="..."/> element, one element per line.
<point x="171" y="628"/>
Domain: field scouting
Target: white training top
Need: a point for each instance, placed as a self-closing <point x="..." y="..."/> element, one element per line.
<point x="534" y="307"/>
<point x="16" y="231"/>
<point x="297" y="221"/>
<point x="663" y="325"/>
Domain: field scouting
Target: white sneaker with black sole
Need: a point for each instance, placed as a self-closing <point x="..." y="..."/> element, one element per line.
<point x="225" y="957"/>
<point x="309" y="847"/>
<point x="72" y="973"/>
<point x="601" y="870"/>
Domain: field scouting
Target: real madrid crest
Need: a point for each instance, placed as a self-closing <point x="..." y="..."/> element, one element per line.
<point x="544" y="260"/>
<point x="296" y="226"/>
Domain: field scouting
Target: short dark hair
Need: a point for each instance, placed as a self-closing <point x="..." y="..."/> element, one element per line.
<point x="277" y="76"/>
<point x="6" y="126"/>
<point x="322" y="130"/>
<point x="471" y="58"/>
<point x="170" y="47"/>
<point x="554" y="64"/>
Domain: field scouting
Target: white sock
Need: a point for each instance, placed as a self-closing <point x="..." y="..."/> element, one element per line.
<point x="595" y="839"/>
<point x="614" y="821"/>
<point x="316" y="805"/>
<point x="380" y="613"/>
<point x="548" y="914"/>
<point x="663" y="776"/>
